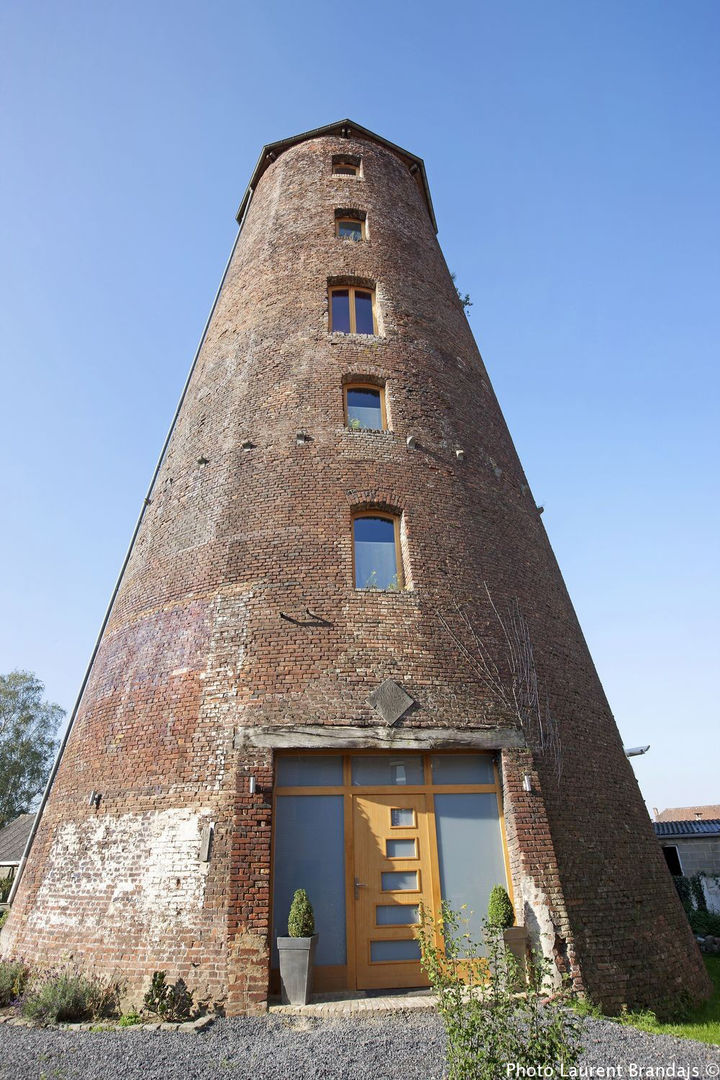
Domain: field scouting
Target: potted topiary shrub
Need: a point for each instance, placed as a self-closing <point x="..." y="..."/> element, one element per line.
<point x="501" y="916"/>
<point x="297" y="952"/>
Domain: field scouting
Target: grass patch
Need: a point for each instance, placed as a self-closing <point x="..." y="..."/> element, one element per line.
<point x="702" y="1024"/>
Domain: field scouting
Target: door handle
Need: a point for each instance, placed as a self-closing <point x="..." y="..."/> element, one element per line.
<point x="359" y="885"/>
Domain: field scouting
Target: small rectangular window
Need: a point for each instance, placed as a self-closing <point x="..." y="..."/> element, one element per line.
<point x="397" y="914"/>
<point x="399" y="881"/>
<point x="365" y="407"/>
<point x="672" y="858"/>
<point x="309" y="770"/>
<point x="385" y="952"/>
<point x="376" y="552"/>
<point x="340" y="311"/>
<point x="364" y="321"/>
<point x="370" y="770"/>
<point x="345" y="165"/>
<point x="462" y="769"/>
<point x="350" y="228"/>
<point x="400" y="849"/>
<point x="352" y="310"/>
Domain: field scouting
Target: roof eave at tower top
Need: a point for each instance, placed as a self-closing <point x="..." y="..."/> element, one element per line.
<point x="344" y="129"/>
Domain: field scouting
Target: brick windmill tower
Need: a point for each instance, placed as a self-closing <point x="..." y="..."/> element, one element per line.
<point x="341" y="655"/>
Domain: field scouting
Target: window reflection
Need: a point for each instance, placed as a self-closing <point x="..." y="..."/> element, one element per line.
<point x="375" y="547"/>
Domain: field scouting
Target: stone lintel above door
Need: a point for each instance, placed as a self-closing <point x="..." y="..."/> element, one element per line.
<point x="344" y="737"/>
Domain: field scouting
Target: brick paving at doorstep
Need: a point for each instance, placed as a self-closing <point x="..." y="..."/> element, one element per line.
<point x="404" y="1046"/>
<point x="350" y="1004"/>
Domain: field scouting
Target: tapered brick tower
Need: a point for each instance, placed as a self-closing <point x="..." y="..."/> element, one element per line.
<point x="341" y="655"/>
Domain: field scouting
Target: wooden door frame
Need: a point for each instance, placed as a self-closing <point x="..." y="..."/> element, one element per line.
<point x="347" y="790"/>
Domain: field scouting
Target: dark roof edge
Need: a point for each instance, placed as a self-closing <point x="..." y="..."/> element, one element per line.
<point x="341" y="127"/>
<point x="682" y="827"/>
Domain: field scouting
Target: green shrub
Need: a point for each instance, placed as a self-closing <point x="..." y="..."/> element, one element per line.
<point x="67" y="996"/>
<point x="3" y="917"/>
<point x="13" y="979"/>
<point x="692" y="896"/>
<point x="5" y="888"/>
<point x="500" y="909"/>
<point x="691" y="892"/>
<point x="169" y="1001"/>
<point x="301" y="920"/>
<point x="704" y="923"/>
<point x="130" y="1019"/>
<point x="487" y="1023"/>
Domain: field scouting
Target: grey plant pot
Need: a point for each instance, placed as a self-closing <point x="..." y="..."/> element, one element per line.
<point x="297" y="955"/>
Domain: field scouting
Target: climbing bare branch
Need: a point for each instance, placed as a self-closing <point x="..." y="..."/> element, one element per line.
<point x="517" y="688"/>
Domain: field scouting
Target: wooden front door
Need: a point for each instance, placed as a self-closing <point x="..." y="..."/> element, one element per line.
<point x="392" y="867"/>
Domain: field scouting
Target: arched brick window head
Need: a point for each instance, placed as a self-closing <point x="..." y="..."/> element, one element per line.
<point x="377" y="563"/>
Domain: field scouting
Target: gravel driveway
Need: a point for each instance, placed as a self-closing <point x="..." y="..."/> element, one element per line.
<point x="401" y="1047"/>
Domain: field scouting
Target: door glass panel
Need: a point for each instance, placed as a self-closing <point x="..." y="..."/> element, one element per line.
<point x="394" y="950"/>
<point x="401" y="849"/>
<point x="309" y="770"/>
<point x="310" y="855"/>
<point x="462" y="769"/>
<point x="390" y="771"/>
<point x="400" y="880"/>
<point x="402" y="819"/>
<point x="470" y="853"/>
<point x="397" y="914"/>
<point x="363" y="313"/>
<point x="340" y="313"/>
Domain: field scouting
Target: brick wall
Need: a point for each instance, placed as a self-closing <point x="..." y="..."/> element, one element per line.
<point x="196" y="646"/>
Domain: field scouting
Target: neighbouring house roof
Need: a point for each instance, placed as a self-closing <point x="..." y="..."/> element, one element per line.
<point x="665" y="829"/>
<point x="690" y="813"/>
<point x="13" y="839"/>
<point x="344" y="129"/>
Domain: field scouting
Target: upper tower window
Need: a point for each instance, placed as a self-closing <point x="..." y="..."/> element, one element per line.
<point x="365" y="407"/>
<point x="352" y="310"/>
<point x="376" y="551"/>
<point x="348" y="228"/>
<point x="345" y="165"/>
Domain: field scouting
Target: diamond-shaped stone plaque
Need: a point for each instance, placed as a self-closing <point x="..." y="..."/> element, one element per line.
<point x="390" y="701"/>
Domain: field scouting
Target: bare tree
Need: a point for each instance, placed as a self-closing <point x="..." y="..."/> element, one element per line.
<point x="515" y="688"/>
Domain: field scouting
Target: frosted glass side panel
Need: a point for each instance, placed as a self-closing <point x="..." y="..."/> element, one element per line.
<point x="394" y="950"/>
<point x="310" y="855"/>
<point x="309" y="770"/>
<point x="368" y="771"/>
<point x="462" y="769"/>
<point x="397" y="914"/>
<point x="401" y="849"/>
<point x="470" y="853"/>
<point x="402" y="880"/>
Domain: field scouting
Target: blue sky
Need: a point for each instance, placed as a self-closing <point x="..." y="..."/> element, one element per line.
<point x="573" y="158"/>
